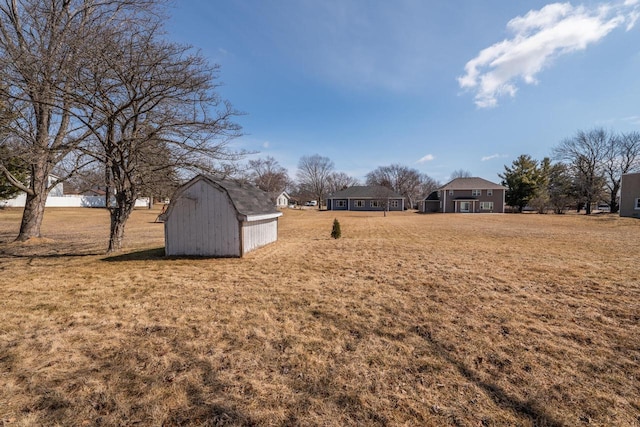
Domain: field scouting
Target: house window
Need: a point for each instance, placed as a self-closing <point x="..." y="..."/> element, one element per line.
<point x="476" y="193"/>
<point x="359" y="204"/>
<point x="375" y="204"/>
<point x="637" y="203"/>
<point x="394" y="203"/>
<point x="486" y="206"/>
<point x="489" y="192"/>
<point x="341" y="203"/>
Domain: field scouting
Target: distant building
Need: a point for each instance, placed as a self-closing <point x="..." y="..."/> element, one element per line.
<point x="282" y="200"/>
<point x="365" y="198"/>
<point x="466" y="195"/>
<point x="630" y="195"/>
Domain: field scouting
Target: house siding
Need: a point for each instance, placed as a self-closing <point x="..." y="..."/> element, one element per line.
<point x="449" y="199"/>
<point x="453" y="201"/>
<point x="629" y="194"/>
<point x="351" y="204"/>
<point x="353" y="207"/>
<point x="332" y="205"/>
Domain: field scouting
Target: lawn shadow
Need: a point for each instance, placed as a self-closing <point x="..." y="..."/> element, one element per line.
<point x="528" y="409"/>
<point x="154" y="254"/>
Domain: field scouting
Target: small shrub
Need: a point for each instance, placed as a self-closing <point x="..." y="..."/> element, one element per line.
<point x="335" y="232"/>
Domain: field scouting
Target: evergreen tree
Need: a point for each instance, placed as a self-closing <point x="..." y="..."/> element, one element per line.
<point x="16" y="168"/>
<point x="335" y="232"/>
<point x="561" y="188"/>
<point x="522" y="180"/>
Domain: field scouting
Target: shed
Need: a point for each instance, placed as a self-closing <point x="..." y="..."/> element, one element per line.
<point x="218" y="218"/>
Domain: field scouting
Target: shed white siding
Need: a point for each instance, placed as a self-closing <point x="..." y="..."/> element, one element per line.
<point x="203" y="222"/>
<point x="258" y="233"/>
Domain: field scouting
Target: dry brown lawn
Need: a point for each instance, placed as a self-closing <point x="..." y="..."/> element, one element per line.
<point x="469" y="320"/>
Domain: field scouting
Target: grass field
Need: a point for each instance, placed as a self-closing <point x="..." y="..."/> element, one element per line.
<point x="409" y="319"/>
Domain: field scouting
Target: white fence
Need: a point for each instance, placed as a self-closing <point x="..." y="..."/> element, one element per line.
<point x="70" y="201"/>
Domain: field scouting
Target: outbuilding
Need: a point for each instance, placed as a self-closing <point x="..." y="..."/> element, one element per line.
<point x="218" y="218"/>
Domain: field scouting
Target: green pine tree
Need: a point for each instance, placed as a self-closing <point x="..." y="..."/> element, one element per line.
<point x="335" y="232"/>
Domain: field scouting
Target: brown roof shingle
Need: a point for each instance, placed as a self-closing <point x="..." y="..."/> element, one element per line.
<point x="474" y="183"/>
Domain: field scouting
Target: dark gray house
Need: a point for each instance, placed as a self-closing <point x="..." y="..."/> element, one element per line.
<point x="466" y="195"/>
<point x="365" y="198"/>
<point x="630" y="195"/>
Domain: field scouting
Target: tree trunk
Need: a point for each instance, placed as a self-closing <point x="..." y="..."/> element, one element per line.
<point x="587" y="207"/>
<point x="613" y="198"/>
<point x="119" y="216"/>
<point x="34" y="206"/>
<point x="32" y="217"/>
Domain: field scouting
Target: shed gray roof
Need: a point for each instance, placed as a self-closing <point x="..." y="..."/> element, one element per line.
<point x="474" y="183"/>
<point x="247" y="199"/>
<point x="365" y="192"/>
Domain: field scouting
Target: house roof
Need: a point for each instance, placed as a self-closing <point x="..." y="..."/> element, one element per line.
<point x="365" y="192"/>
<point x="474" y="183"/>
<point x="248" y="200"/>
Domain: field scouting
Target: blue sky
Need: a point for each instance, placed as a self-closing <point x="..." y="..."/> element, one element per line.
<point x="433" y="85"/>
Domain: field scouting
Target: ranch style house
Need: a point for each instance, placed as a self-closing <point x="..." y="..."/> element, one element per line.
<point x="218" y="218"/>
<point x="365" y="198"/>
<point x="466" y="195"/>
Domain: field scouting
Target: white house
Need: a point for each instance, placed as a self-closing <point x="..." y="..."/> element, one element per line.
<point x="220" y="218"/>
<point x="57" y="199"/>
<point x="283" y="199"/>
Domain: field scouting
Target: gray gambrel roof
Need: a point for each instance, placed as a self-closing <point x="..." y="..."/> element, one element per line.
<point x="365" y="192"/>
<point x="249" y="201"/>
<point x="471" y="184"/>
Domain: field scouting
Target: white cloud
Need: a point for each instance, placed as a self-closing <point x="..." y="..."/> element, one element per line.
<point x="632" y="119"/>
<point x="266" y="144"/>
<point x="427" y="158"/>
<point x="493" y="156"/>
<point x="538" y="38"/>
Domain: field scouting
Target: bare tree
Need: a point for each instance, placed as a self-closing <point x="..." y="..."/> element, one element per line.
<point x="151" y="107"/>
<point x="585" y="153"/>
<point x="460" y="173"/>
<point x="401" y="179"/>
<point x="268" y="175"/>
<point x="339" y="181"/>
<point x="427" y="185"/>
<point x="41" y="46"/>
<point x="313" y="175"/>
<point x="622" y="155"/>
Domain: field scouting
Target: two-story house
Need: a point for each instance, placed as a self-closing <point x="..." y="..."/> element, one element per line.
<point x="466" y="195"/>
